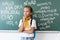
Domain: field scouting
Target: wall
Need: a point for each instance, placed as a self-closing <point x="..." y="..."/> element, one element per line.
<point x="40" y="35"/>
<point x="46" y="35"/>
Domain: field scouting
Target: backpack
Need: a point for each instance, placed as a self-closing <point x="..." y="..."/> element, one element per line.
<point x="34" y="29"/>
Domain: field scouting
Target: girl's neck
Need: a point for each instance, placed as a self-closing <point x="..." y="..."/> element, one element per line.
<point x="28" y="17"/>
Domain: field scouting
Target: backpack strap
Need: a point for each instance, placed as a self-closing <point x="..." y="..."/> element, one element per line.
<point x="31" y="22"/>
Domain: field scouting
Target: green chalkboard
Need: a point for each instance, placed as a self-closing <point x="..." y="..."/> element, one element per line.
<point x="45" y="12"/>
<point x="10" y="14"/>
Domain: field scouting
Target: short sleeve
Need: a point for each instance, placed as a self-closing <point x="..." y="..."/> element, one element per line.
<point x="20" y="22"/>
<point x="33" y="23"/>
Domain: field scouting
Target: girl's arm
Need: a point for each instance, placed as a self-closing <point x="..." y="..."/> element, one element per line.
<point x="29" y="31"/>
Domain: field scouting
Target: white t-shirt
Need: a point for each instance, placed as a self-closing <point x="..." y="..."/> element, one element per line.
<point x="29" y="27"/>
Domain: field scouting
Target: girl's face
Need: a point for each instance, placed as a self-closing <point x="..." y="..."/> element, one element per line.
<point x="27" y="12"/>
